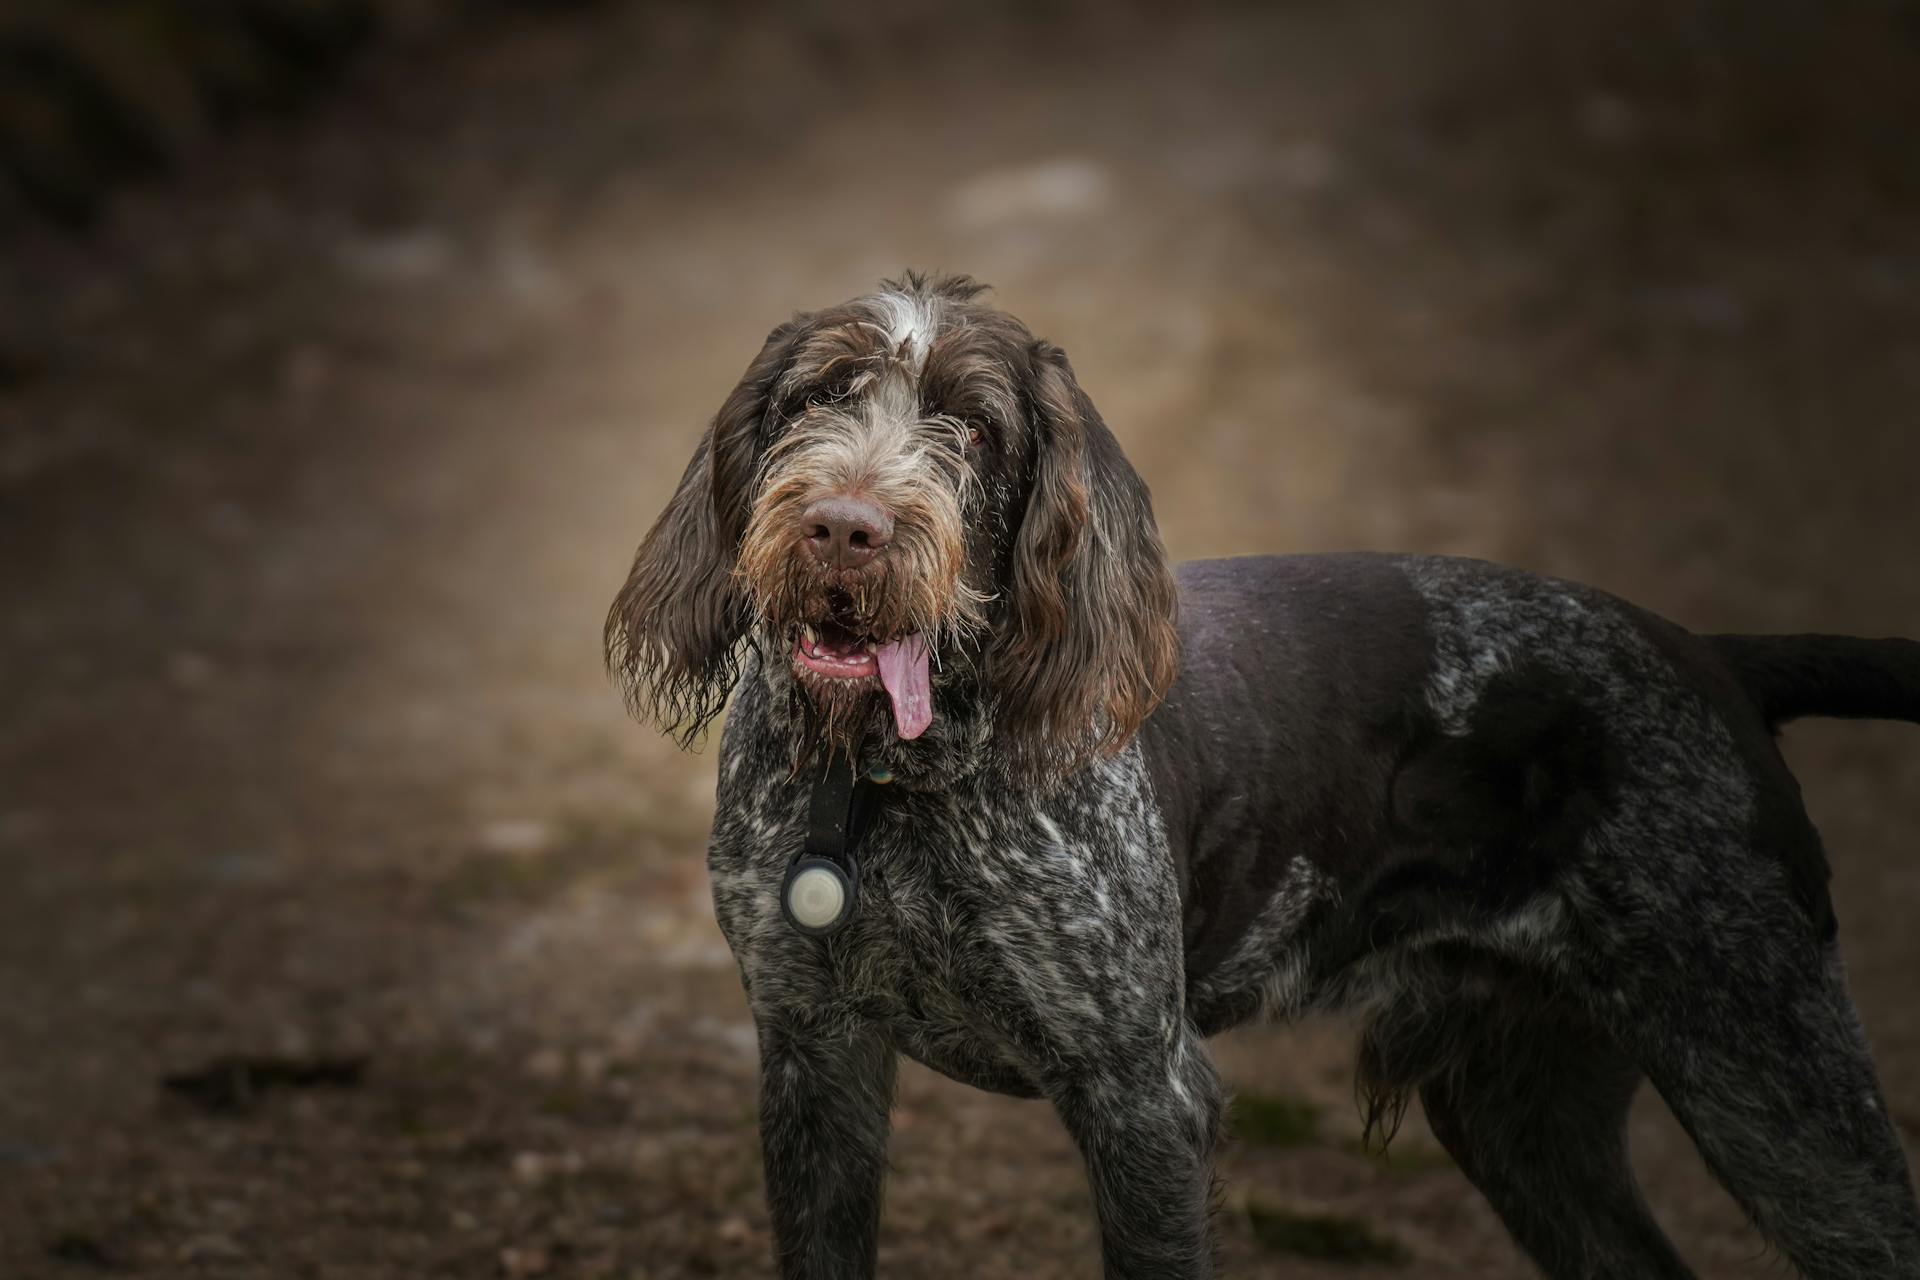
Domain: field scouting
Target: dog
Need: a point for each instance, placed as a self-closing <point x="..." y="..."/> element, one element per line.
<point x="1001" y="790"/>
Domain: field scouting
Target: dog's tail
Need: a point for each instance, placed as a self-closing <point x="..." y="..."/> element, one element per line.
<point x="1811" y="675"/>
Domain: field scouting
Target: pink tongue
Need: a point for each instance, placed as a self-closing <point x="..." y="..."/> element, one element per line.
<point x="903" y="670"/>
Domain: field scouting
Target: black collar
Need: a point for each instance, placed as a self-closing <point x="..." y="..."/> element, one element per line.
<point x="839" y="810"/>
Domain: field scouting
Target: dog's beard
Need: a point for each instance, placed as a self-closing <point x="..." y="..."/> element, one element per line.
<point x="856" y="640"/>
<point x="834" y="715"/>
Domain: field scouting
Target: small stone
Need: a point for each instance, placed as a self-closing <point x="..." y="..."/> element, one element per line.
<point x="211" y="1247"/>
<point x="1307" y="165"/>
<point x="517" y="837"/>
<point x="1065" y="187"/>
<point x="399" y="258"/>
<point x="189" y="670"/>
<point x="1609" y="119"/>
<point x="306" y="371"/>
<point x="529" y="1261"/>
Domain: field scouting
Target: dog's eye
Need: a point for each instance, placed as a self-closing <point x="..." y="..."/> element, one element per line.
<point x="832" y="392"/>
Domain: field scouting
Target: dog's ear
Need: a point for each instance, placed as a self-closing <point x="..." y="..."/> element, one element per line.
<point x="672" y="637"/>
<point x="1090" y="646"/>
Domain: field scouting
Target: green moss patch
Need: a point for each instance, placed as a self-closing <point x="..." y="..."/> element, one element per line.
<point x="1269" y="1120"/>
<point x="1325" y="1237"/>
<point x="1404" y="1157"/>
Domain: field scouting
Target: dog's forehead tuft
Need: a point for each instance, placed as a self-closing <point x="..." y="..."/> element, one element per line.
<point x="911" y="348"/>
<point x="910" y="322"/>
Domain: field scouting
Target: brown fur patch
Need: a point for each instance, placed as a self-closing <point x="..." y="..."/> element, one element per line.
<point x="672" y="635"/>
<point x="1092" y="646"/>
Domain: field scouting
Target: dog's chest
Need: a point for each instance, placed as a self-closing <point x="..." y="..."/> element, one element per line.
<point x="990" y="938"/>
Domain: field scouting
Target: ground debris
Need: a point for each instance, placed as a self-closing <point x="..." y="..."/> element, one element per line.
<point x="234" y="1083"/>
<point x="82" y="1250"/>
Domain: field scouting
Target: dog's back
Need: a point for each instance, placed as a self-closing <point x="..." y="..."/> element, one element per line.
<point x="1428" y="741"/>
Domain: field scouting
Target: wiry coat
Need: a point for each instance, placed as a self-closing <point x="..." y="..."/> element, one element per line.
<point x="1542" y="841"/>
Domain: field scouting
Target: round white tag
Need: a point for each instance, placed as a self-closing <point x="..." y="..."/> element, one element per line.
<point x="816" y="897"/>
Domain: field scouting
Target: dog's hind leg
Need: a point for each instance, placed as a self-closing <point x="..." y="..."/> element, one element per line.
<point x="1531" y="1103"/>
<point x="1771" y="1077"/>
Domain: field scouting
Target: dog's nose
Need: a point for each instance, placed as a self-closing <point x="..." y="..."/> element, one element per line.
<point x="845" y="531"/>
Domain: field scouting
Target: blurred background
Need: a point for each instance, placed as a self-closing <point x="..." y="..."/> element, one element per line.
<point x="348" y="347"/>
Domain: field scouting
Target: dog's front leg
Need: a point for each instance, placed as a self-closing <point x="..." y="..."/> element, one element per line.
<point x="825" y="1096"/>
<point x="1147" y="1128"/>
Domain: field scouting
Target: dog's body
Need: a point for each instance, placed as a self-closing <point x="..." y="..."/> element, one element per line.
<point x="1540" y="840"/>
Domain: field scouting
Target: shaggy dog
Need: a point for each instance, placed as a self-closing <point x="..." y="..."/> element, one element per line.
<point x="1001" y="791"/>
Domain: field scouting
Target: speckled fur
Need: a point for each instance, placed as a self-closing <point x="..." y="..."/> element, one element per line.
<point x="1021" y="947"/>
<point x="1541" y="843"/>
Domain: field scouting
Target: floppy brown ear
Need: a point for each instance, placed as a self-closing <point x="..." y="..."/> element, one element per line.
<point x="1090" y="647"/>
<point x="672" y="637"/>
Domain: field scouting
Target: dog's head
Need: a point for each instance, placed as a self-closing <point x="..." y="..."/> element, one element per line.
<point x="912" y="509"/>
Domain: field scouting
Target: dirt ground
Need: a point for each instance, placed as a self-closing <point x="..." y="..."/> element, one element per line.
<point x="320" y="463"/>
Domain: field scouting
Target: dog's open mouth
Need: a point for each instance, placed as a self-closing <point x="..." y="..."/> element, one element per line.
<point x="837" y="652"/>
<point x="851" y="660"/>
